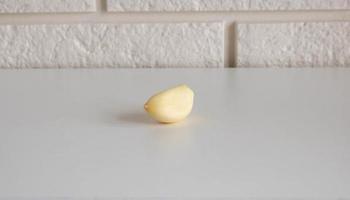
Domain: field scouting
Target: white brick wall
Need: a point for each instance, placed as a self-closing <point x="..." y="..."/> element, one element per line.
<point x="108" y="45"/>
<point x="294" y="44"/>
<point x="174" y="33"/>
<point x="32" y="6"/>
<point x="226" y="5"/>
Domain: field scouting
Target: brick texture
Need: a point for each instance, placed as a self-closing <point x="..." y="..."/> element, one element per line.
<point x="294" y="45"/>
<point x="108" y="45"/>
<point x="30" y="6"/>
<point x="216" y="5"/>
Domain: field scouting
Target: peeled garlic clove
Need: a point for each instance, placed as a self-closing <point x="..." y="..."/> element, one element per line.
<point x="171" y="105"/>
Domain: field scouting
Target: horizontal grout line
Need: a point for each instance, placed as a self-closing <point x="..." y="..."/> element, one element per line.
<point x="101" y="7"/>
<point x="240" y="16"/>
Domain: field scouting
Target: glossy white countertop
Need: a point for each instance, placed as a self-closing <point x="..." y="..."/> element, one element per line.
<point x="253" y="134"/>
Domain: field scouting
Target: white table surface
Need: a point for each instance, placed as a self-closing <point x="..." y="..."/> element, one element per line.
<point x="253" y="134"/>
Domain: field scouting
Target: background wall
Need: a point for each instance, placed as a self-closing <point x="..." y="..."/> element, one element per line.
<point x="174" y="33"/>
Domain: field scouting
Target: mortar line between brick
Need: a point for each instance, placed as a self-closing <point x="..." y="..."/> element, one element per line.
<point x="102" y="5"/>
<point x="103" y="16"/>
<point x="98" y="6"/>
<point x="226" y="46"/>
<point x="230" y="44"/>
<point x="234" y="45"/>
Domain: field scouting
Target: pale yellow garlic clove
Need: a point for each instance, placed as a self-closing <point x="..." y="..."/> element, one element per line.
<point x="171" y="105"/>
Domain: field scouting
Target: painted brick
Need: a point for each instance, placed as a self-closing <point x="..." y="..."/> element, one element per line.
<point x="294" y="45"/>
<point x="29" y="6"/>
<point x="225" y="5"/>
<point x="110" y="45"/>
